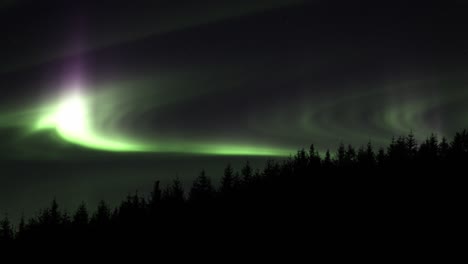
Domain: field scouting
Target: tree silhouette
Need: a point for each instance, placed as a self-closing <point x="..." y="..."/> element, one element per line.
<point x="327" y="162"/>
<point x="314" y="158"/>
<point x="102" y="215"/>
<point x="301" y="161"/>
<point x="228" y="180"/>
<point x="247" y="173"/>
<point x="429" y="151"/>
<point x="174" y="193"/>
<point x="361" y="185"/>
<point x="155" y="194"/>
<point x="6" y="231"/>
<point x="350" y="156"/>
<point x="272" y="169"/>
<point x="381" y="157"/>
<point x="366" y="157"/>
<point x="459" y="147"/>
<point x="81" y="216"/>
<point x="21" y="228"/>
<point x="444" y="149"/>
<point x="341" y="155"/>
<point x="202" y="189"/>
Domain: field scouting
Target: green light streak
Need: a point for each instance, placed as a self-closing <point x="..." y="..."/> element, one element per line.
<point x="72" y="119"/>
<point x="112" y="118"/>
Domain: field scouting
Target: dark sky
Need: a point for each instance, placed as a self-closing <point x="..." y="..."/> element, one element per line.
<point x="89" y="84"/>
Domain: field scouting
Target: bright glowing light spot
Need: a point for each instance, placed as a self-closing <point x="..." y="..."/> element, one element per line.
<point x="71" y="117"/>
<point x="72" y="120"/>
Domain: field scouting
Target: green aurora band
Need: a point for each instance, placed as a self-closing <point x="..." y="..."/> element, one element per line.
<point x="77" y="116"/>
<point x="96" y="119"/>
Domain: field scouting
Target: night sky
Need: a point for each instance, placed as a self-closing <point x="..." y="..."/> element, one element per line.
<point x="100" y="98"/>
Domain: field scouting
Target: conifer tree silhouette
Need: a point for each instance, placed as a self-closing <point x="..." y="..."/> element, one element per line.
<point x="459" y="146"/>
<point x="202" y="189"/>
<point x="429" y="151"/>
<point x="174" y="193"/>
<point x="247" y="173"/>
<point x="314" y="158"/>
<point x="341" y="155"/>
<point x="327" y="162"/>
<point x="366" y="157"/>
<point x="227" y="181"/>
<point x="350" y="156"/>
<point x="102" y="215"/>
<point x="81" y="216"/>
<point x="381" y="157"/>
<point x="6" y="231"/>
<point x="156" y="193"/>
<point x="55" y="215"/>
<point x="411" y="146"/>
<point x="21" y="228"/>
<point x="370" y="155"/>
<point x="295" y="185"/>
<point x="444" y="149"/>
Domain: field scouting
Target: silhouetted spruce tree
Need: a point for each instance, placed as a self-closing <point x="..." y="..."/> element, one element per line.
<point x="237" y="181"/>
<point x="44" y="218"/>
<point x="287" y="168"/>
<point x="51" y="217"/>
<point x="361" y="157"/>
<point x="397" y="152"/>
<point x="459" y="147"/>
<point x="228" y="181"/>
<point x="21" y="228"/>
<point x="350" y="156"/>
<point x="55" y="214"/>
<point x="341" y="155"/>
<point x="257" y="175"/>
<point x="301" y="161"/>
<point x="392" y="148"/>
<point x="366" y="157"/>
<point x="247" y="173"/>
<point x="33" y="225"/>
<point x="202" y="190"/>
<point x="132" y="209"/>
<point x="66" y="220"/>
<point x="81" y="216"/>
<point x="174" y="193"/>
<point x="102" y="215"/>
<point x="411" y="146"/>
<point x="314" y="158"/>
<point x="140" y="204"/>
<point x="272" y="169"/>
<point x="434" y="142"/>
<point x="370" y="154"/>
<point x="428" y="152"/>
<point x="6" y="231"/>
<point x="327" y="161"/>
<point x="381" y="157"/>
<point x="155" y="198"/>
<point x="444" y="149"/>
<point x="115" y="215"/>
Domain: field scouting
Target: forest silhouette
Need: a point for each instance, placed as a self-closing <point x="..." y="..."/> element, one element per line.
<point x="407" y="185"/>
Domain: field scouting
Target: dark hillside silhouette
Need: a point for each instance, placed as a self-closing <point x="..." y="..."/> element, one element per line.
<point x="406" y="186"/>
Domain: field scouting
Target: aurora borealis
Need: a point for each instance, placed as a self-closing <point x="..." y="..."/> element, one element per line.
<point x="85" y="84"/>
<point x="79" y="118"/>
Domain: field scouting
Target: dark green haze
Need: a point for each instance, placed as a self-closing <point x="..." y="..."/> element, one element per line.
<point x="100" y="98"/>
